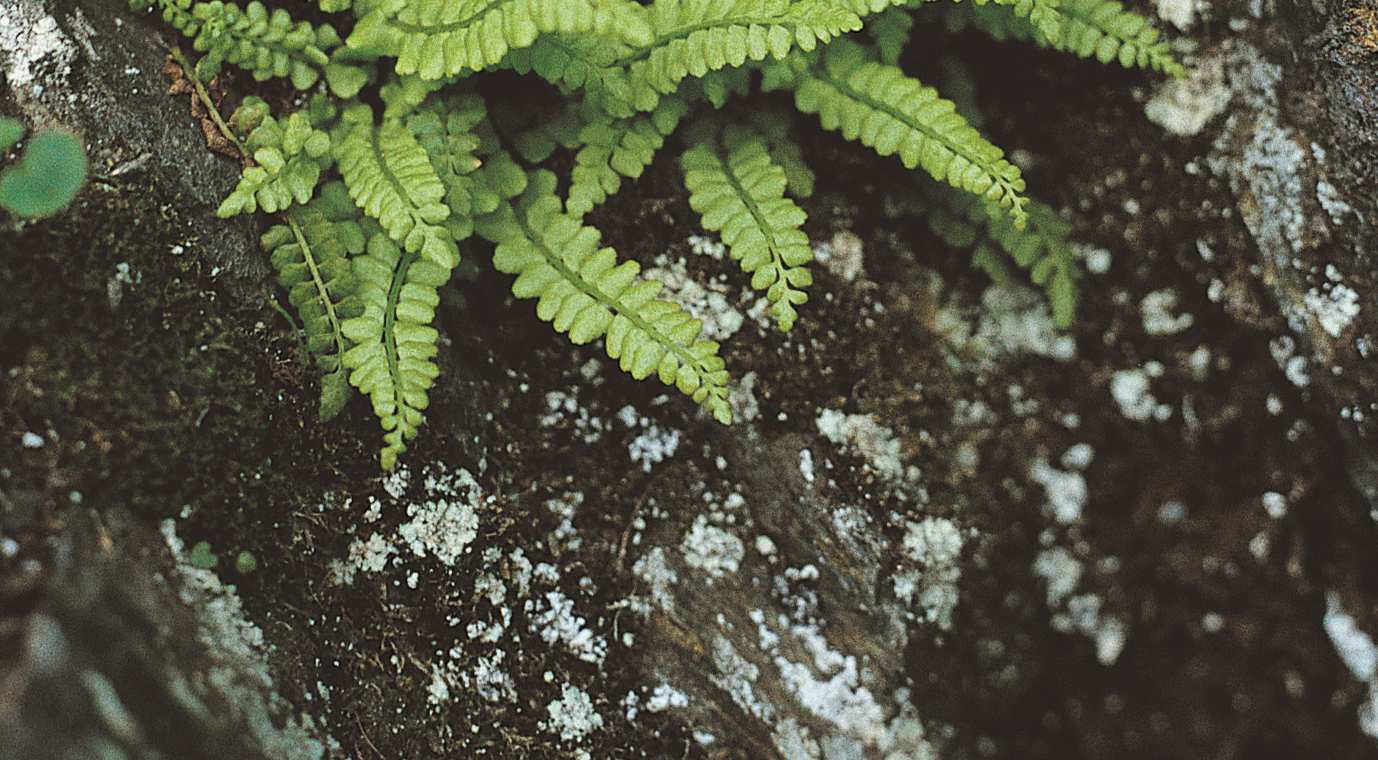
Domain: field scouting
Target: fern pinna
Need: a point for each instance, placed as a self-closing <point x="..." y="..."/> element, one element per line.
<point x="373" y="203"/>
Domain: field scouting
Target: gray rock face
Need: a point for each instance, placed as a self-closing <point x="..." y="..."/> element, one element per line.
<point x="1300" y="151"/>
<point x="96" y="68"/>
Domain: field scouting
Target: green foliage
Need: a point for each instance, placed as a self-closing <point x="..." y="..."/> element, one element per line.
<point x="393" y="357"/>
<point x="583" y="291"/>
<point x="740" y="193"/>
<point x="1041" y="247"/>
<point x="1102" y="29"/>
<point x="439" y="38"/>
<point x="617" y="148"/>
<point x="773" y="128"/>
<point x="46" y="177"/>
<point x="265" y="43"/>
<point x="311" y="255"/>
<point x="390" y="177"/>
<point x="289" y="156"/>
<point x="364" y="260"/>
<point x="895" y="114"/>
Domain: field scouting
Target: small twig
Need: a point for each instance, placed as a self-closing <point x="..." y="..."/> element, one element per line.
<point x="190" y="73"/>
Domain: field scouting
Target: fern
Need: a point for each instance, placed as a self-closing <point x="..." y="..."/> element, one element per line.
<point x="890" y="33"/>
<point x="895" y="114"/>
<point x="1041" y="248"/>
<point x="439" y="38"/>
<point x="393" y="359"/>
<point x="391" y="178"/>
<point x="266" y="44"/>
<point x="364" y="260"/>
<point x="310" y="253"/>
<point x="1104" y="29"/>
<point x="1099" y="28"/>
<point x="289" y="157"/>
<point x="773" y="127"/>
<point x="739" y="192"/>
<point x="613" y="149"/>
<point x="583" y="291"/>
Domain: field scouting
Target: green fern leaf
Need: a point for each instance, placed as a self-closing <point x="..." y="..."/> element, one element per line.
<point x="890" y="32"/>
<point x="895" y="114"/>
<point x="774" y="128"/>
<point x="390" y="177"/>
<point x="1042" y="248"/>
<point x="264" y="43"/>
<point x="464" y="151"/>
<point x="310" y="253"/>
<point x="1104" y="29"/>
<point x="439" y="38"/>
<point x="583" y="291"/>
<point x="740" y="193"/>
<point x="393" y="357"/>
<point x="289" y="155"/>
<point x="1099" y="28"/>
<point x="694" y="37"/>
<point x="613" y="149"/>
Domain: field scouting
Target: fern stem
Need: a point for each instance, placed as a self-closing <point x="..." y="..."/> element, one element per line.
<point x="399" y="277"/>
<point x="571" y="276"/>
<point x="318" y="281"/>
<point x="189" y="71"/>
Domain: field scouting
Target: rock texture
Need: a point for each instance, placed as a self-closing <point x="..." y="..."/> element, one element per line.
<point x="96" y="68"/>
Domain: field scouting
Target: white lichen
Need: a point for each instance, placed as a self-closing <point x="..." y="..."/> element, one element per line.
<point x="933" y="546"/>
<point x="712" y="549"/>
<point x="1066" y="491"/>
<point x="572" y="716"/>
<point x="1358" y="652"/>
<point x="1157" y="309"/>
<point x="875" y="443"/>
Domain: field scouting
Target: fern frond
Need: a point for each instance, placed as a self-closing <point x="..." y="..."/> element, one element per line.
<point x="613" y="149"/>
<point x="694" y="37"/>
<point x="391" y="178"/>
<point x="1045" y="16"/>
<point x="266" y="44"/>
<point x="290" y="155"/>
<point x="890" y="32"/>
<point x="463" y="149"/>
<point x="1104" y="29"/>
<point x="310" y="253"/>
<point x="893" y="113"/>
<point x="740" y="193"/>
<point x="583" y="291"/>
<point x="717" y="87"/>
<point x="393" y="357"/>
<point x="560" y="130"/>
<point x="774" y="128"/>
<point x="1041" y="248"/>
<point x="1099" y="28"/>
<point x="438" y="38"/>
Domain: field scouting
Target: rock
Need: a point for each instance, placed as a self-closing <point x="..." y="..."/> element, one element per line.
<point x="1298" y="149"/>
<point x="95" y="67"/>
<point x="111" y="650"/>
